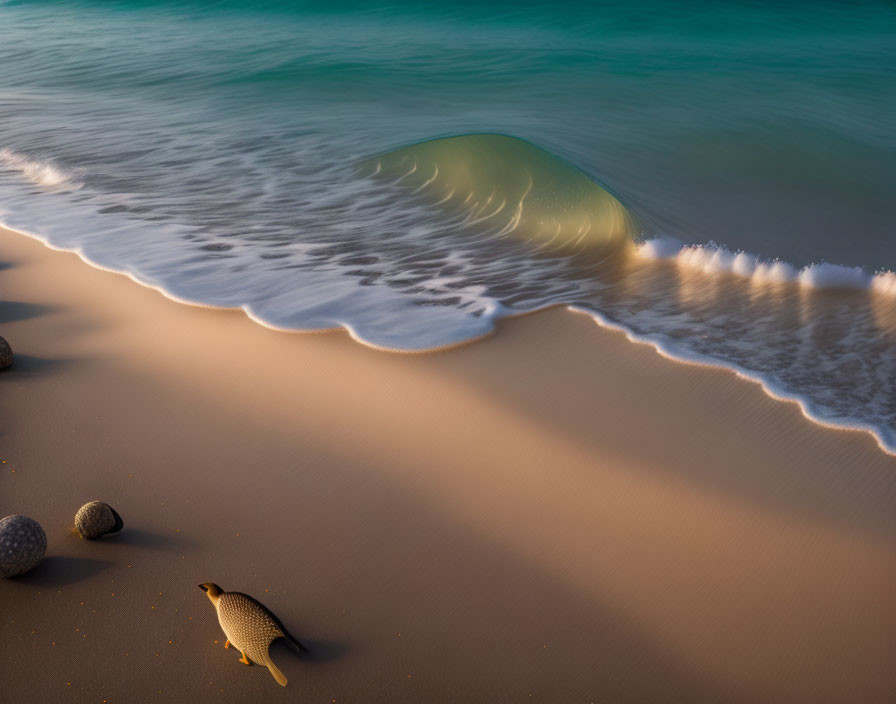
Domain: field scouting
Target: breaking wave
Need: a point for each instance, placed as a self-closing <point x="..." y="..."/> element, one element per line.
<point x="513" y="188"/>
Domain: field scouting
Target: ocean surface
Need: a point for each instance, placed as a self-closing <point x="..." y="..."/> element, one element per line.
<point x="718" y="179"/>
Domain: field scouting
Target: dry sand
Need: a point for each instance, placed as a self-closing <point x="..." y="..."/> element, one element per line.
<point x="554" y="514"/>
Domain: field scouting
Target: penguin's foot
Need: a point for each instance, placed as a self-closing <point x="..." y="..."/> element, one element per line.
<point x="245" y="660"/>
<point x="226" y="643"/>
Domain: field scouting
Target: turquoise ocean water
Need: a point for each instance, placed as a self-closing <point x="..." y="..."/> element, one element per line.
<point x="716" y="178"/>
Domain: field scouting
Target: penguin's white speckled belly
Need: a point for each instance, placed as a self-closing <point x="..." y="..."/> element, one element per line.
<point x="248" y="626"/>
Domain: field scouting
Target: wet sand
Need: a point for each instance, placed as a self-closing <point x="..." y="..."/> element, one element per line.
<point x="553" y="514"/>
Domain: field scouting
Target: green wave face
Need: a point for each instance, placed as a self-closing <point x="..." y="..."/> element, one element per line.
<point x="506" y="183"/>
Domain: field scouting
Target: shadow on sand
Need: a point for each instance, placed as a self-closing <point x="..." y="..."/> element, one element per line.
<point x="136" y="537"/>
<point x="56" y="571"/>
<point x="32" y="366"/>
<point x="319" y="651"/>
<point x="14" y="311"/>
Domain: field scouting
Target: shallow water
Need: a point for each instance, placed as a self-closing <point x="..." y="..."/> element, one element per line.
<point x="238" y="155"/>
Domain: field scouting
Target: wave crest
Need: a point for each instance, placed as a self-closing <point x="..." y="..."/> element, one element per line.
<point x="715" y="259"/>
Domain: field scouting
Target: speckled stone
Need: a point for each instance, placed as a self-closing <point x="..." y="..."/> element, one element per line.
<point x="96" y="519"/>
<point x="23" y="545"/>
<point x="5" y="354"/>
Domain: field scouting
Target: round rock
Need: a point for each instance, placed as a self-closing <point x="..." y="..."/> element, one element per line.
<point x="23" y="545"/>
<point x="5" y="354"/>
<point x="96" y="519"/>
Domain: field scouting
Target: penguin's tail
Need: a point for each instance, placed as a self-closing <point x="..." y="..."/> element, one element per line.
<point x="275" y="671"/>
<point x="293" y="641"/>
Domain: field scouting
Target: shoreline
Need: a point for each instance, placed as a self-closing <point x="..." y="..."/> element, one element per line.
<point x="550" y="514"/>
<point x="663" y="349"/>
<point x="768" y="388"/>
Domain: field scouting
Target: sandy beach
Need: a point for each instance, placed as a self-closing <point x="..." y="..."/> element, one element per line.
<point x="553" y="514"/>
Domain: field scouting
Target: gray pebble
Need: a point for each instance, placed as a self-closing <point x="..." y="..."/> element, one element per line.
<point x="23" y="545"/>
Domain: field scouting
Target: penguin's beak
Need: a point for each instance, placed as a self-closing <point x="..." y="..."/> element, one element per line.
<point x="203" y="587"/>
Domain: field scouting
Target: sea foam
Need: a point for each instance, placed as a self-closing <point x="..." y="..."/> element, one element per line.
<point x="715" y="259"/>
<point x="39" y="172"/>
<point x="884" y="283"/>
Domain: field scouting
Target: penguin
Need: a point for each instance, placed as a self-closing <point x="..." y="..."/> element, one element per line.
<point x="250" y="627"/>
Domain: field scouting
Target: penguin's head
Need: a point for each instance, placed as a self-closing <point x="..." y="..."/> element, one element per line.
<point x="212" y="591"/>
